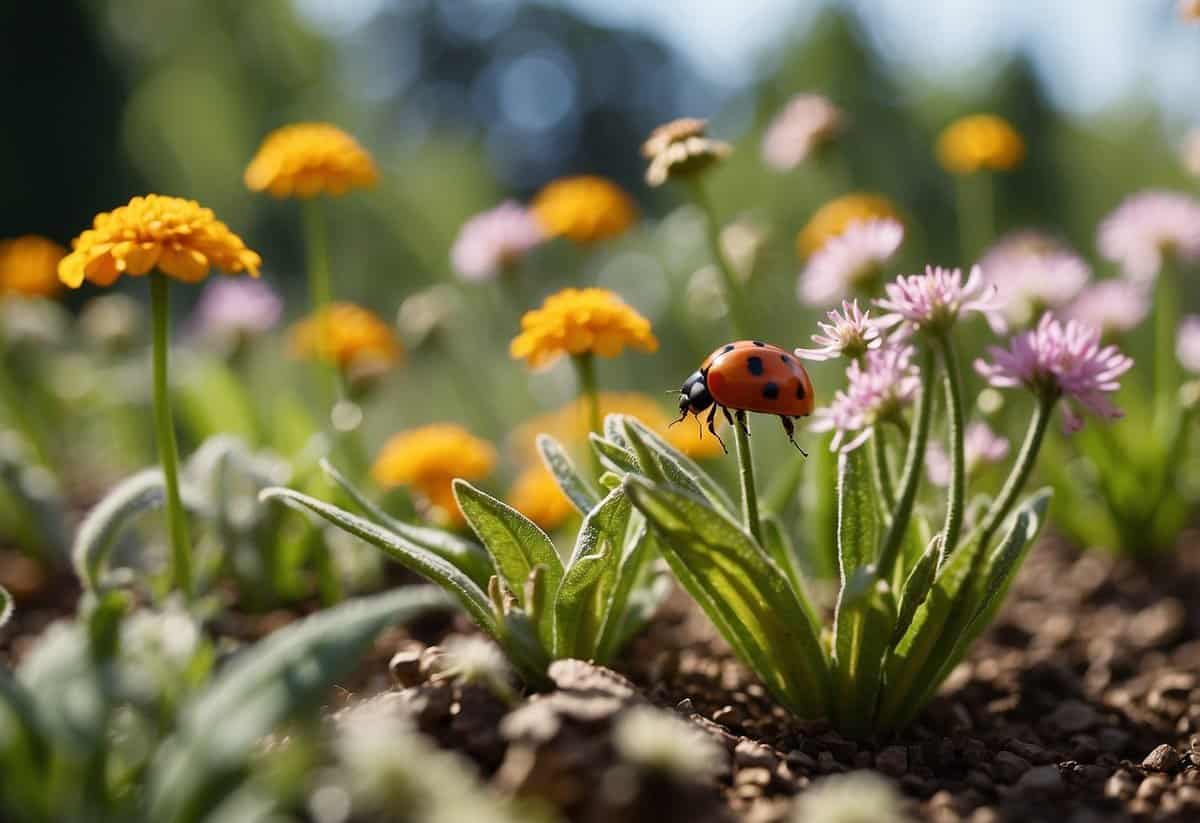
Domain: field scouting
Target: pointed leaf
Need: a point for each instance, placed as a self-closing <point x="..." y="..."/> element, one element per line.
<point x="858" y="513"/>
<point x="583" y="597"/>
<point x="779" y="546"/>
<point x="577" y="490"/>
<point x="744" y="593"/>
<point x="617" y="458"/>
<point x="639" y="551"/>
<point x="683" y="470"/>
<point x="515" y="543"/>
<point x="916" y="587"/>
<point x="287" y="673"/>
<point x="408" y="554"/>
<point x="470" y="557"/>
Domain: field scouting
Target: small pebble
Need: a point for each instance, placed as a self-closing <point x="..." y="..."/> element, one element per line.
<point x="1162" y="759"/>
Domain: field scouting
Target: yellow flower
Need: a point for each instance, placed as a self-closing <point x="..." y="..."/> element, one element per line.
<point x="584" y="209"/>
<point x="980" y="141"/>
<point x="580" y="321"/>
<point x="29" y="266"/>
<point x="569" y="425"/>
<point x="429" y="458"/>
<point x="537" y="495"/>
<point x="176" y="236"/>
<point x="680" y="148"/>
<point x="835" y="216"/>
<point x="307" y="159"/>
<point x="348" y="335"/>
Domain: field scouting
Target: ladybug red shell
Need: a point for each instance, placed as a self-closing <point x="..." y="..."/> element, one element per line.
<point x="749" y="375"/>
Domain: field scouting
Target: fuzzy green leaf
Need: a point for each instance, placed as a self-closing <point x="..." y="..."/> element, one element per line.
<point x="916" y="587"/>
<point x="408" y="554"/>
<point x="682" y="470"/>
<point x="640" y="548"/>
<point x="6" y="606"/>
<point x="583" y="597"/>
<point x="744" y="593"/>
<point x="617" y="458"/>
<point x="288" y="673"/>
<point x="577" y="490"/>
<point x="516" y="545"/>
<point x="468" y="556"/>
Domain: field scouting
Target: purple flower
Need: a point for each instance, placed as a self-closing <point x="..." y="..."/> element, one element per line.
<point x="1112" y="306"/>
<point x="851" y="260"/>
<point x="1187" y="343"/>
<point x="494" y="240"/>
<point x="1032" y="273"/>
<point x="878" y="388"/>
<point x="849" y="334"/>
<point x="981" y="446"/>
<point x="934" y="300"/>
<point x="235" y="307"/>
<point x="1060" y="360"/>
<point x="802" y="125"/>
<point x="1147" y="226"/>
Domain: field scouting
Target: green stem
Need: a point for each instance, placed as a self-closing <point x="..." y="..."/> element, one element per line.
<point x="976" y="222"/>
<point x="735" y="299"/>
<point x="585" y="373"/>
<point x="883" y="472"/>
<point x="320" y="292"/>
<point x="955" y="502"/>
<point x="741" y="433"/>
<point x="1166" y="319"/>
<point x="1021" y="470"/>
<point x="910" y="475"/>
<point x="164" y="428"/>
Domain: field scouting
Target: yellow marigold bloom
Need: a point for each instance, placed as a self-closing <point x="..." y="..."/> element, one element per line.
<point x="428" y="459"/>
<point x="835" y="216"/>
<point x="307" y="159"/>
<point x="29" y="266"/>
<point x="569" y="425"/>
<point x="178" y="237"/>
<point x="980" y="141"/>
<point x="580" y="321"/>
<point x="537" y="495"/>
<point x="354" y="338"/>
<point x="584" y="209"/>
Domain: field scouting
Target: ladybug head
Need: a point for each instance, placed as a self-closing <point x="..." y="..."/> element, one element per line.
<point x="693" y="395"/>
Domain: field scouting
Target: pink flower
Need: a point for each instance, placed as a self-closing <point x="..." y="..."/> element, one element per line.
<point x="851" y="260"/>
<point x="1032" y="273"/>
<point x="849" y="334"/>
<point x="1112" y="306"/>
<point x="235" y="307"/>
<point x="494" y="240"/>
<point x="981" y="446"/>
<point x="1061" y="360"/>
<point x="802" y="125"/>
<point x="877" y="389"/>
<point x="1147" y="226"/>
<point x="935" y="299"/>
<point x="1187" y="343"/>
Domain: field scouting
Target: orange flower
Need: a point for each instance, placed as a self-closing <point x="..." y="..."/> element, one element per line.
<point x="584" y="209"/>
<point x="980" y="141"/>
<point x="536" y="494"/>
<point x="29" y="266"/>
<point x="429" y="458"/>
<point x="580" y="321"/>
<point x="307" y="159"/>
<point x="350" y="336"/>
<point x="176" y="236"/>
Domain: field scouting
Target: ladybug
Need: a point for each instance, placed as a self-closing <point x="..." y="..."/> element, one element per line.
<point x="748" y="375"/>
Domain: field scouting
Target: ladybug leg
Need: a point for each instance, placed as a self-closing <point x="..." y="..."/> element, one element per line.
<point x="789" y="428"/>
<point x="741" y="421"/>
<point x="712" y="417"/>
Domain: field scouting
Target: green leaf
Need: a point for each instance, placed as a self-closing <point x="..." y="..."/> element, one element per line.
<point x="617" y="458"/>
<point x="651" y="468"/>
<point x="212" y="400"/>
<point x="288" y="673"/>
<point x="682" y="470"/>
<point x="577" y="490"/>
<point x="24" y="752"/>
<point x="858" y="513"/>
<point x="639" y="550"/>
<point x="779" y="546"/>
<point x="101" y="527"/>
<point x="583" y="598"/>
<point x="6" y="606"/>
<point x="744" y="593"/>
<point x="471" y="558"/>
<point x="916" y="588"/>
<point x="408" y="554"/>
<point x="515" y="543"/>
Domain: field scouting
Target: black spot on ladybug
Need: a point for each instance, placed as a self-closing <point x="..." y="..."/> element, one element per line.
<point x="755" y="365"/>
<point x="728" y="348"/>
<point x="771" y="390"/>
<point x="759" y="343"/>
<point x="800" y="391"/>
<point x="785" y="358"/>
